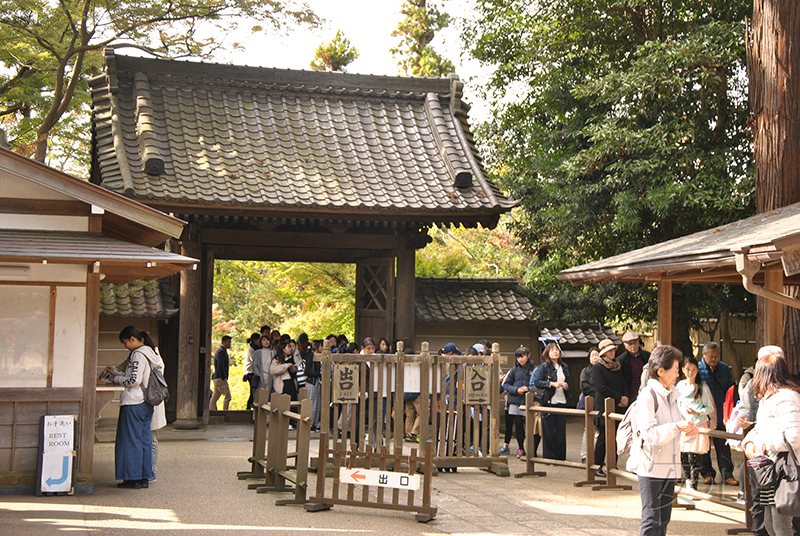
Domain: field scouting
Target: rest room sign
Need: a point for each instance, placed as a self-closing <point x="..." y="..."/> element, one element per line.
<point x="58" y="451"/>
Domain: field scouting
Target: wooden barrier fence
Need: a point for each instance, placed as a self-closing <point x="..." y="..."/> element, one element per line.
<point x="459" y="404"/>
<point x="530" y="460"/>
<point x="387" y="464"/>
<point x="261" y="418"/>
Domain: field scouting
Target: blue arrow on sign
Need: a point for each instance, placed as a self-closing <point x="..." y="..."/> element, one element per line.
<point x="64" y="474"/>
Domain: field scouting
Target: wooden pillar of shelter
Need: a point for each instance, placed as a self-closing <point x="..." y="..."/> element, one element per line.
<point x="773" y="310"/>
<point x="88" y="409"/>
<point x="404" y="318"/>
<point x="664" y="312"/>
<point x="189" y="341"/>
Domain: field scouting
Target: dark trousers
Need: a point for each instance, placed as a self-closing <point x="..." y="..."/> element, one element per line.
<point x="757" y="510"/>
<point x="656" y="495"/>
<point x="554" y="435"/>
<point x="518" y="422"/>
<point x="600" y="444"/>
<point x="724" y="460"/>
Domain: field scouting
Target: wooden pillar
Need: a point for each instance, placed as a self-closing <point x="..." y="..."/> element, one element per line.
<point x="773" y="311"/>
<point x="664" y="312"/>
<point x="404" y="319"/>
<point x="206" y="351"/>
<point x="88" y="410"/>
<point x="189" y="340"/>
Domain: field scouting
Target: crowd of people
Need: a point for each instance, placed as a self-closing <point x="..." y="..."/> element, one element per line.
<point x="666" y="414"/>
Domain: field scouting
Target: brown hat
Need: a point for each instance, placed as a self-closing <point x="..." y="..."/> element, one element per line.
<point x="607" y="345"/>
<point x="630" y="336"/>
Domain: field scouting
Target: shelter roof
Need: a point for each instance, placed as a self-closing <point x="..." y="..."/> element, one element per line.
<point x="474" y="299"/>
<point x="116" y="301"/>
<point x="280" y="142"/>
<point x="123" y="218"/>
<point x="704" y="256"/>
<point x="120" y="261"/>
<point x="584" y="335"/>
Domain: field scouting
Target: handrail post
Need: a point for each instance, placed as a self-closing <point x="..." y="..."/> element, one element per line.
<point x="611" y="449"/>
<point x="589" y="427"/>
<point x="530" y="469"/>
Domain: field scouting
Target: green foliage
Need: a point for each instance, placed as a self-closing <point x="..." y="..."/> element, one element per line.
<point x="462" y="252"/>
<point x="416" y="31"/>
<point x="50" y="49"/>
<point x="292" y="297"/>
<point x="618" y="124"/>
<point x="334" y="56"/>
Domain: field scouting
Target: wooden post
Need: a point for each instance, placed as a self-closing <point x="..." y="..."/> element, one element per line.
<point x="425" y="397"/>
<point x="589" y="426"/>
<point x="189" y="345"/>
<point x="88" y="410"/>
<point x="404" y="321"/>
<point x="530" y="468"/>
<point x="664" y="312"/>
<point x="259" y="436"/>
<point x="206" y="350"/>
<point x="611" y="449"/>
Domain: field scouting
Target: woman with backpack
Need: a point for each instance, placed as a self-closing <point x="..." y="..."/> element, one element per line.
<point x="133" y="455"/>
<point x="553" y="376"/>
<point x="655" y="451"/>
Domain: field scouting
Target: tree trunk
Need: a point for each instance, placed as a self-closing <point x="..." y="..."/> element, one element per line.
<point x="773" y="67"/>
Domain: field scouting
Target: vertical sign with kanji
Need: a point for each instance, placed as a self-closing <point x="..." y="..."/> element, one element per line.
<point x="58" y="449"/>
<point x="478" y="384"/>
<point x="345" y="383"/>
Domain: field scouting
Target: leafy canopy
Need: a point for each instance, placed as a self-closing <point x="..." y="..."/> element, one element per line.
<point x="49" y="49"/>
<point x="618" y="124"/>
<point x="336" y="55"/>
<point x="416" y="31"/>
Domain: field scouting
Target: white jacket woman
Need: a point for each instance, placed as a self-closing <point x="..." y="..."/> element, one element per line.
<point x="777" y="426"/>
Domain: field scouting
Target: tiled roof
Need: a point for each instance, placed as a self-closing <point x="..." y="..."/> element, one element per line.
<point x="478" y="299"/>
<point x="198" y="133"/>
<point x="120" y="301"/>
<point x="698" y="256"/>
<point x="580" y="334"/>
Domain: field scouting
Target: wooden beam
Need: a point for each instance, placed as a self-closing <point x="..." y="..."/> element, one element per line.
<point x="664" y="312"/>
<point x="773" y="311"/>
<point x="190" y="336"/>
<point x="308" y="240"/>
<point x="41" y="394"/>
<point x="293" y="254"/>
<point x="14" y="205"/>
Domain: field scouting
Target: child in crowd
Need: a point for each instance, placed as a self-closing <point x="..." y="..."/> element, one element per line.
<point x="516" y="385"/>
<point x="695" y="404"/>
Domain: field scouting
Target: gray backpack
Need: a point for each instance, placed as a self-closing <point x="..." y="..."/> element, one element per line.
<point x="156" y="391"/>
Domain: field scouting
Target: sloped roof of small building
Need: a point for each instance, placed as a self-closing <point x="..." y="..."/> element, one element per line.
<point x="583" y="335"/>
<point x="471" y="299"/>
<point x="197" y="134"/>
<point x="126" y="302"/>
<point x="704" y="256"/>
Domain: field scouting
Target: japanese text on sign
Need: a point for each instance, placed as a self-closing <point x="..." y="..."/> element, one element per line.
<point x="478" y="384"/>
<point x="345" y="383"/>
<point x="383" y="479"/>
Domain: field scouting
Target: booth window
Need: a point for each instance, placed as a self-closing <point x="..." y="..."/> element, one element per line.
<point x="24" y="336"/>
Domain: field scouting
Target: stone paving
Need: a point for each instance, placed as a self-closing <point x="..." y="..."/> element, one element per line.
<point x="197" y="492"/>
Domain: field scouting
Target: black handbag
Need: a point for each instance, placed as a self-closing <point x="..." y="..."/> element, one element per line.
<point x="543" y="395"/>
<point x="787" y="494"/>
<point x="762" y="471"/>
